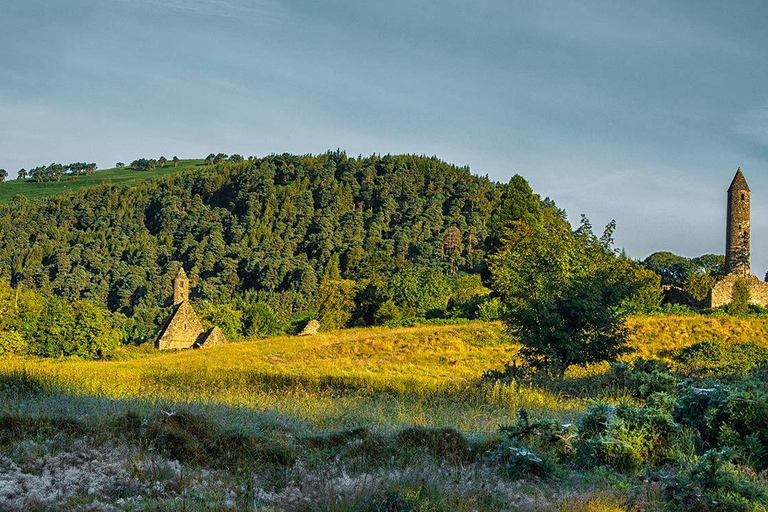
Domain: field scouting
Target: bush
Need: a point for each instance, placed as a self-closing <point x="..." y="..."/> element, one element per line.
<point x="625" y="437"/>
<point x="490" y="309"/>
<point x="543" y="435"/>
<point x="739" y="305"/>
<point x="259" y="320"/>
<point x="388" y="313"/>
<point x="729" y="417"/>
<point x="443" y="443"/>
<point x="717" y="359"/>
<point x="644" y="378"/>
<point x="12" y="342"/>
<point x="715" y="483"/>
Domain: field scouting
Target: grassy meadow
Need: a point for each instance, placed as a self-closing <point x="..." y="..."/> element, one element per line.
<point x="336" y="421"/>
<point x="125" y="176"/>
<point x="328" y="422"/>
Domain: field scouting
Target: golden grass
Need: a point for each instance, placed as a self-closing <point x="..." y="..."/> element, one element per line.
<point x="375" y="376"/>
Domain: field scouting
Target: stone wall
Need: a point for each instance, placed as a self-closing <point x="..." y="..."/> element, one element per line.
<point x="722" y="293"/>
<point x="182" y="330"/>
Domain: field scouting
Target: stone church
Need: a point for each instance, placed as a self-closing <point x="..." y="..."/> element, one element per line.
<point x="737" y="249"/>
<point x="183" y="329"/>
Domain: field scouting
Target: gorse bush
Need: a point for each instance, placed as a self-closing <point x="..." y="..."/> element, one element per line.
<point x="715" y="483"/>
<point x="626" y="437"/>
<point x="644" y="377"/>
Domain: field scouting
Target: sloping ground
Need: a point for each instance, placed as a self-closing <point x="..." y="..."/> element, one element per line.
<point x="656" y="335"/>
<point x="125" y="176"/>
<point x="409" y="359"/>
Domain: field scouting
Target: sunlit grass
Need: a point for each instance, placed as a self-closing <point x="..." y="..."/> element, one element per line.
<point x="377" y="377"/>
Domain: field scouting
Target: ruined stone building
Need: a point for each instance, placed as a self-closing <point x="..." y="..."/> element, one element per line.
<point x="183" y="329"/>
<point x="737" y="249"/>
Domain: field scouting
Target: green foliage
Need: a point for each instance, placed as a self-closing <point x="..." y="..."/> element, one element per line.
<point x="265" y="229"/>
<point x="59" y="329"/>
<point x="740" y="298"/>
<point x="719" y="359"/>
<point x="715" y="483"/>
<point x="467" y="294"/>
<point x="566" y="293"/>
<point x="490" y="309"/>
<point x="224" y="316"/>
<point x="625" y="437"/>
<point x="258" y="319"/>
<point x="699" y="286"/>
<point x="388" y="313"/>
<point x="644" y="377"/>
<point x="675" y="270"/>
<point x="647" y="298"/>
<point x="420" y="291"/>
<point x="92" y="333"/>
<point x="12" y="343"/>
<point x="335" y="302"/>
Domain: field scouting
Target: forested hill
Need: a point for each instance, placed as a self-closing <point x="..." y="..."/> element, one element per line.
<point x="265" y="228"/>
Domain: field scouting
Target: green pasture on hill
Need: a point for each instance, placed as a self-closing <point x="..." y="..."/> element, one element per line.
<point x="126" y="176"/>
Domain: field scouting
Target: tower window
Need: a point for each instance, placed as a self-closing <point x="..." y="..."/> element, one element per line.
<point x="185" y="327"/>
<point x="743" y="196"/>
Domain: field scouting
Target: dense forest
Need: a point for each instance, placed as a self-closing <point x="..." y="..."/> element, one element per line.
<point x="265" y="241"/>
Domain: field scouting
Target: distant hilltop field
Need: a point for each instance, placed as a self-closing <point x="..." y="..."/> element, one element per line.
<point x="125" y="176"/>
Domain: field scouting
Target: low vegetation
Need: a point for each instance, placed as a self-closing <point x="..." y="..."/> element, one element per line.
<point x="395" y="419"/>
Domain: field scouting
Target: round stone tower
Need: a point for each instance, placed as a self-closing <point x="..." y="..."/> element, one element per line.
<point x="180" y="287"/>
<point x="737" y="243"/>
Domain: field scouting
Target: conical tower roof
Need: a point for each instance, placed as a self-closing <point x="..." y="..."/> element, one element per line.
<point x="183" y="275"/>
<point x="739" y="182"/>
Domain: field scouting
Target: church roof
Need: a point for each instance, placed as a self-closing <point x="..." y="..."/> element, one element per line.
<point x="739" y="182"/>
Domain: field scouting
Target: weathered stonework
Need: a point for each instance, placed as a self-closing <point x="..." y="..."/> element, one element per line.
<point x="722" y="293"/>
<point x="211" y="338"/>
<point x="737" y="249"/>
<point x="183" y="329"/>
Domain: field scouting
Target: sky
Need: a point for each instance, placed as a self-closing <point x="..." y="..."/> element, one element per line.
<point x="634" y="111"/>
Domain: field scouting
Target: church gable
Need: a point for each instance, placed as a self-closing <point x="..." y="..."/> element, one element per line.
<point x="182" y="329"/>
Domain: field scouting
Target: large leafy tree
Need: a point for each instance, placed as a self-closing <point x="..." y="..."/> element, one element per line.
<point x="566" y="291"/>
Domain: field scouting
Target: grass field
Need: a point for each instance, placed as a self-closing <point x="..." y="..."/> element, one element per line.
<point x="324" y="420"/>
<point x="125" y="176"/>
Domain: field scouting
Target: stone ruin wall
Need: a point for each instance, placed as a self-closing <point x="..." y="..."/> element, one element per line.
<point x="722" y="293"/>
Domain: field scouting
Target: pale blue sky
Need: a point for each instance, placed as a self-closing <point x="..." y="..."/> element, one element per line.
<point x="638" y="111"/>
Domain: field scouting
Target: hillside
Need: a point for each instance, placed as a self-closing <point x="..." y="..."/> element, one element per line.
<point x="265" y="230"/>
<point x="124" y="176"/>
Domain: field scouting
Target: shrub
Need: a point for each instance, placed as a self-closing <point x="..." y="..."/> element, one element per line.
<point x="490" y="309"/>
<point x="718" y="359"/>
<point x="259" y="320"/>
<point x="388" y="313"/>
<point x="543" y="435"/>
<point x="739" y="305"/>
<point x="12" y="342"/>
<point x="644" y="377"/>
<point x="625" y="437"/>
<point x="443" y="443"/>
<point x="729" y="417"/>
<point x="715" y="483"/>
<point x="698" y="286"/>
